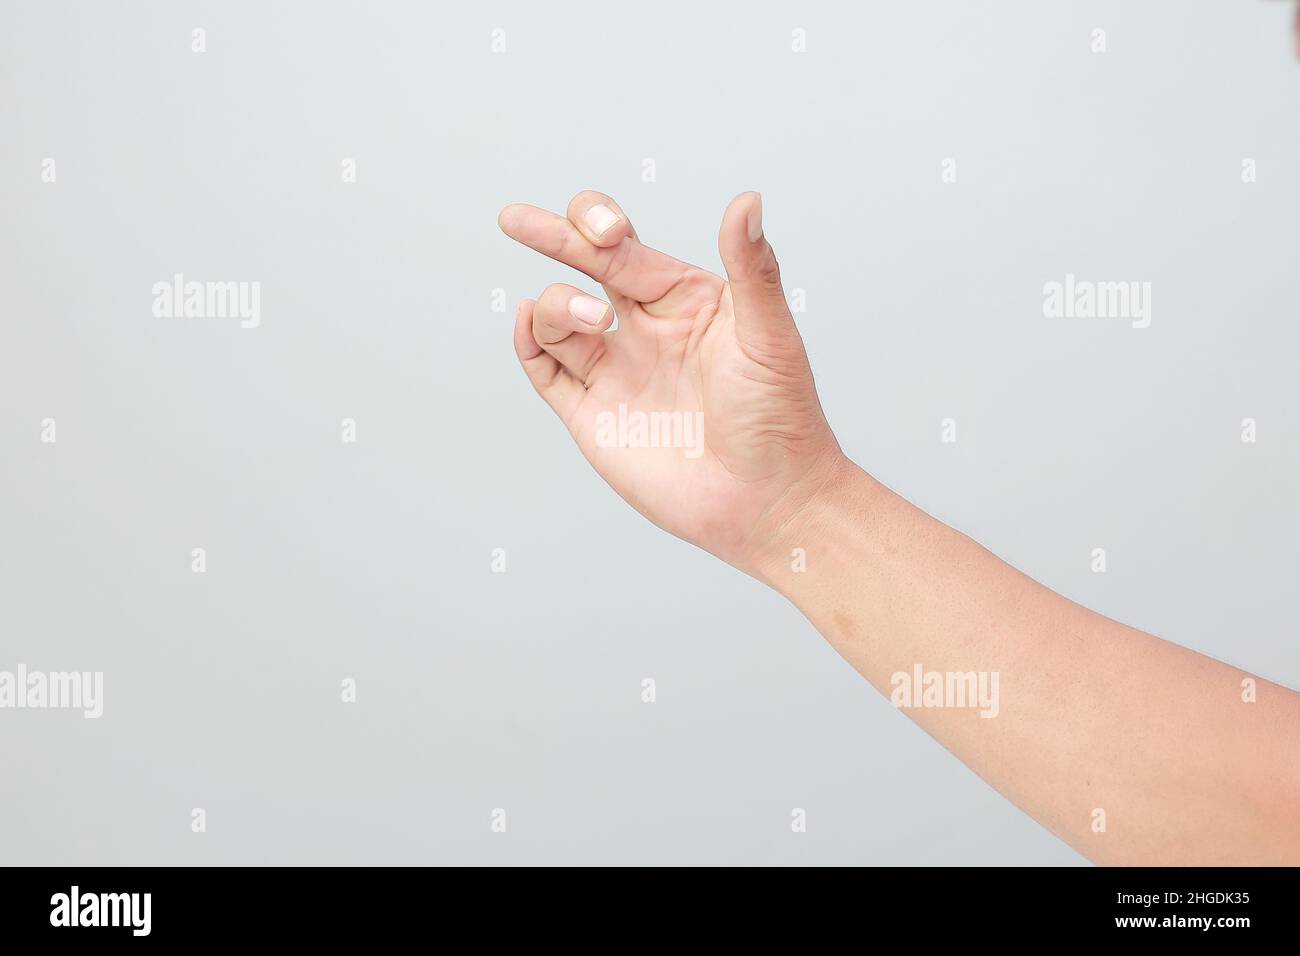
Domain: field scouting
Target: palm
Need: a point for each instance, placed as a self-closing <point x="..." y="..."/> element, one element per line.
<point x="697" y="428"/>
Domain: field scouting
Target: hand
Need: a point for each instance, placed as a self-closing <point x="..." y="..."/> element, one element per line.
<point x="700" y="410"/>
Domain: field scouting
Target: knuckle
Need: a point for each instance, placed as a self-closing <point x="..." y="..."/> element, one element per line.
<point x="768" y="270"/>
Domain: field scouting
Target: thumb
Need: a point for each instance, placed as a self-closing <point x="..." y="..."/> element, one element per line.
<point x="762" y="316"/>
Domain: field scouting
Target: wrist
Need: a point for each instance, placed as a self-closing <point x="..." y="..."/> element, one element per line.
<point x="827" y="510"/>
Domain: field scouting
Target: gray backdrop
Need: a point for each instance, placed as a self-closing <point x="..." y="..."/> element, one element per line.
<point x="373" y="561"/>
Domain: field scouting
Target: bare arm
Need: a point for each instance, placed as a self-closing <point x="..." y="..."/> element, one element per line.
<point x="1131" y="749"/>
<point x="701" y="411"/>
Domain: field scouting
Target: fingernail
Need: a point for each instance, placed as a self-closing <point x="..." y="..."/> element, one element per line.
<point x="586" y="309"/>
<point x="755" y="219"/>
<point x="600" y="217"/>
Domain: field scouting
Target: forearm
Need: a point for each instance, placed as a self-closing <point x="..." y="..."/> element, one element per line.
<point x="1092" y="723"/>
<point x="1089" y="715"/>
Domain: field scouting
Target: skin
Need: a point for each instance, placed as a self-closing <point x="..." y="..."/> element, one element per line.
<point x="1093" y="715"/>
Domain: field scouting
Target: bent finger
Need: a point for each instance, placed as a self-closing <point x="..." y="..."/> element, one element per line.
<point x="557" y="387"/>
<point x="569" y="324"/>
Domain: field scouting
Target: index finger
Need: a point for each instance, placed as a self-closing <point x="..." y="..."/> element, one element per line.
<point x="627" y="268"/>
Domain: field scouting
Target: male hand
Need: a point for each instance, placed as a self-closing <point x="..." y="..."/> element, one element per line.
<point x="691" y="346"/>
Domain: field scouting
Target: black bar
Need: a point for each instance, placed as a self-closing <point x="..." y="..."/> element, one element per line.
<point x="332" y="906"/>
